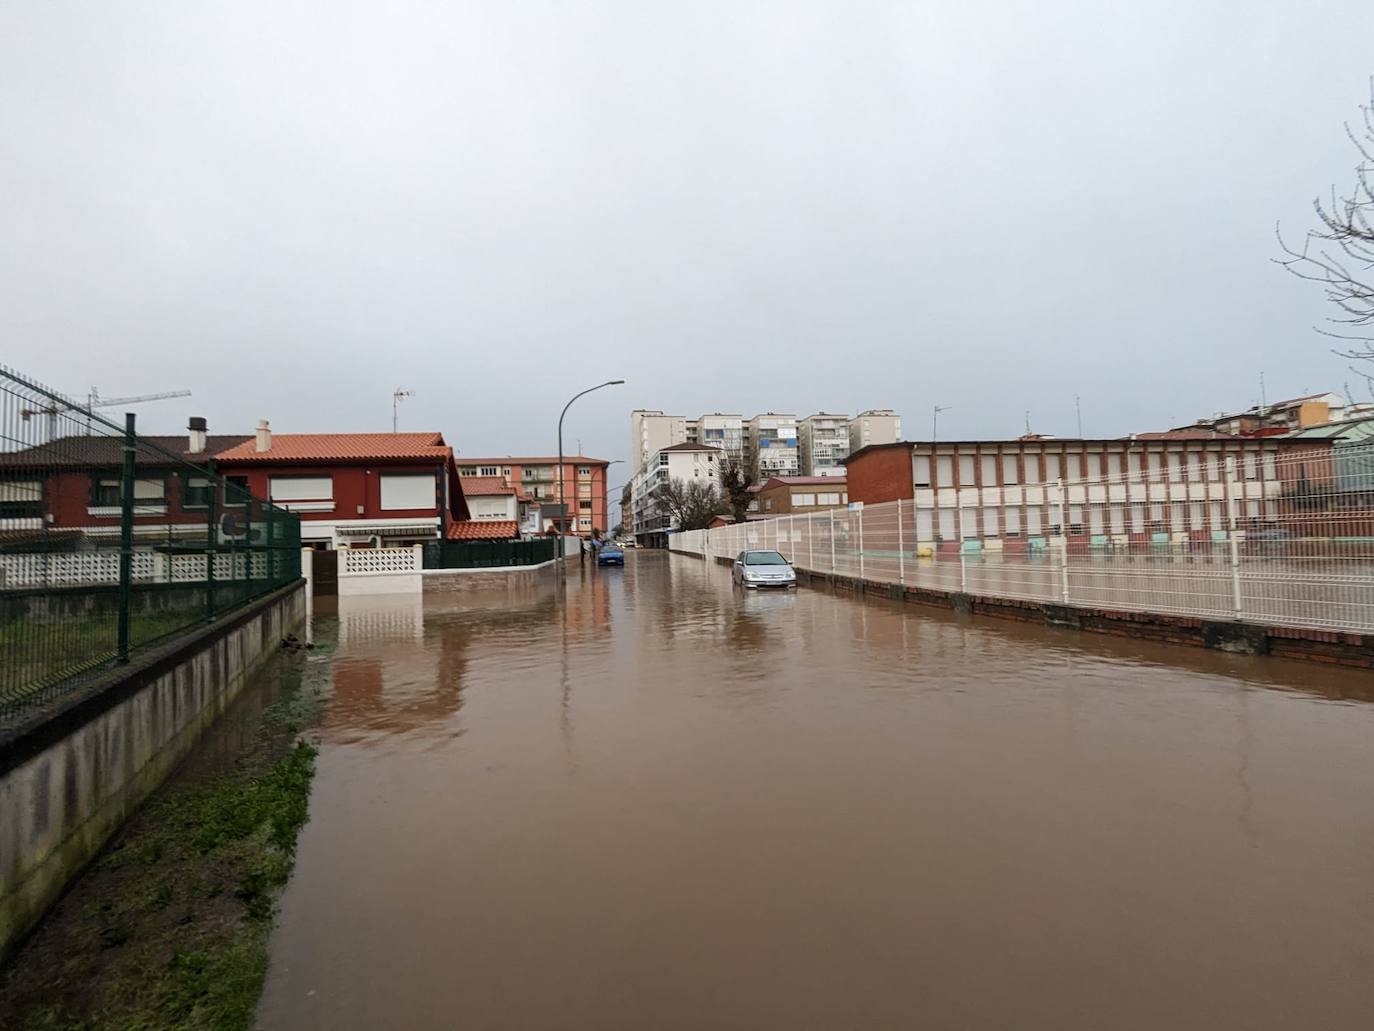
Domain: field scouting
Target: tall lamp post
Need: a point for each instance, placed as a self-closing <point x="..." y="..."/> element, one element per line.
<point x="562" y="497"/>
<point x="935" y="421"/>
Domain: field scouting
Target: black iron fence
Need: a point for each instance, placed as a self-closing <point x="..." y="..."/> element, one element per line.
<point x="111" y="542"/>
<point x="488" y="554"/>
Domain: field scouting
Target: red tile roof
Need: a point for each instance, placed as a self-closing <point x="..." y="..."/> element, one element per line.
<point x="483" y="530"/>
<point x="486" y="486"/>
<point x="341" y="447"/>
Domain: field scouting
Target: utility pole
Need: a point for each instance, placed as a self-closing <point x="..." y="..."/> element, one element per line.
<point x="397" y="396"/>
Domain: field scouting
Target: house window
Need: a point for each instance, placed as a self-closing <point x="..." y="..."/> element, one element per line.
<point x="921" y="470"/>
<point x="966" y="470"/>
<point x="584" y="523"/>
<point x="804" y="500"/>
<point x="662" y="459"/>
<point x="1009" y="469"/>
<point x="104" y="493"/>
<point x="195" y="492"/>
<point x="1156" y="462"/>
<point x="21" y="499"/>
<point x="1114" y="465"/>
<point x="236" y="491"/>
<point x="990" y="522"/>
<point x="407" y="492"/>
<point x="311" y="492"/>
<point x="585" y="505"/>
<point x="1251" y="472"/>
<point x="1013" y="520"/>
<point x="487" y="470"/>
<point x="1052" y="469"/>
<point x="467" y="470"/>
<point x="584" y="470"/>
<point x="768" y="504"/>
<point x="1194" y="469"/>
<point x="1175" y="468"/>
<point x="828" y="499"/>
<point x="989" y="470"/>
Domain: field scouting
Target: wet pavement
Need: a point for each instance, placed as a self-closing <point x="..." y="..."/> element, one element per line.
<point x="666" y="804"/>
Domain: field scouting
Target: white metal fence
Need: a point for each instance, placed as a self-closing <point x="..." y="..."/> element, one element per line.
<point x="1293" y="549"/>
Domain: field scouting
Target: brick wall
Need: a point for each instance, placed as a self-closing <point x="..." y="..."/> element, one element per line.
<point x="882" y="474"/>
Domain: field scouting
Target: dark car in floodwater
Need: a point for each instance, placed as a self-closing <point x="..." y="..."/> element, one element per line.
<point x="610" y="555"/>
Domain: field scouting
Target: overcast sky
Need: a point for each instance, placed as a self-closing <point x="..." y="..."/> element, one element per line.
<point x="292" y="209"/>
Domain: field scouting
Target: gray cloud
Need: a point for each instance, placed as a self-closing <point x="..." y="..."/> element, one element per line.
<point x="293" y="209"/>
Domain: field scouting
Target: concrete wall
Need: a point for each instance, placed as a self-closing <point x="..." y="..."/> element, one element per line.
<point x="69" y="779"/>
<point x="450" y="581"/>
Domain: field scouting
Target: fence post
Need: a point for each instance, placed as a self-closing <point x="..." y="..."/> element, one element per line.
<point x="811" y="542"/>
<point x="861" y="544"/>
<point x="126" y="539"/>
<point x="959" y="532"/>
<point x="1063" y="548"/>
<point x="210" y="541"/>
<point x="901" y="553"/>
<point x="1231" y="513"/>
<point x="832" y="541"/>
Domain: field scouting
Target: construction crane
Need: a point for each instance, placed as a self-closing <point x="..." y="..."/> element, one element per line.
<point x="93" y="400"/>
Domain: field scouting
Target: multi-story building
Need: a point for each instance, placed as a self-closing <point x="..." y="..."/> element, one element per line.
<point x="771" y="443"/>
<point x="793" y="495"/>
<point x="822" y="443"/>
<point x="719" y="430"/>
<point x="650" y="431"/>
<point x="1288" y="416"/>
<point x="686" y="462"/>
<point x="1153" y="487"/>
<point x="536" y="480"/>
<point x="875" y="426"/>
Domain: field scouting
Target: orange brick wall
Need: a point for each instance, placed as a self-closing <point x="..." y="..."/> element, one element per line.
<point x="883" y="474"/>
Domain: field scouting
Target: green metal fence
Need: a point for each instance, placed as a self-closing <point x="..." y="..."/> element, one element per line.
<point x="488" y="554"/>
<point x="111" y="542"/>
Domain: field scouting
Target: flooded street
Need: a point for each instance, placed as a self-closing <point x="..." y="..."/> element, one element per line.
<point x="666" y="804"/>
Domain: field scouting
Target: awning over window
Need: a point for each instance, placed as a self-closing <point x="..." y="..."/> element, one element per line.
<point x="410" y="530"/>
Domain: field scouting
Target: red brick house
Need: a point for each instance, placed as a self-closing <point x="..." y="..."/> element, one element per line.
<point x="354" y="489"/>
<point x="72" y="483"/>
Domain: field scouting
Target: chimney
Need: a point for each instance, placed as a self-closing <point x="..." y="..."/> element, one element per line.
<point x="196" y="426"/>
<point x="264" y="442"/>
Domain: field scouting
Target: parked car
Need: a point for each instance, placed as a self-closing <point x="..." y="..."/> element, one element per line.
<point x="763" y="569"/>
<point x="610" y="555"/>
<point x="627" y="542"/>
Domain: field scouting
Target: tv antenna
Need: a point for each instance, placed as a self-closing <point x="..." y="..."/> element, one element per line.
<point x="397" y="396"/>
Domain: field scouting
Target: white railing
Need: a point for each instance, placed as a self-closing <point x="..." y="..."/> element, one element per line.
<point x="1294" y="548"/>
<point x="362" y="561"/>
<point x="96" y="568"/>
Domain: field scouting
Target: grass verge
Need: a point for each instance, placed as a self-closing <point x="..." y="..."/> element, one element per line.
<point x="169" y="926"/>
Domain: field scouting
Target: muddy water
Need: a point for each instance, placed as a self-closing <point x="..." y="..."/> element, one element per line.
<point x="666" y="805"/>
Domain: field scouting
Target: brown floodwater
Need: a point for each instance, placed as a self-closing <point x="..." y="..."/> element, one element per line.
<point x="666" y="804"/>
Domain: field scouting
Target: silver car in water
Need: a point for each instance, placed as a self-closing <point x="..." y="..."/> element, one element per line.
<point x="763" y="569"/>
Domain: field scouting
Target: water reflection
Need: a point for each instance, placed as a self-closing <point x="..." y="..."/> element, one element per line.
<point x="662" y="802"/>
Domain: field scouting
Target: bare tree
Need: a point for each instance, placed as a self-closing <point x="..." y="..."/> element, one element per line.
<point x="691" y="504"/>
<point x="1339" y="253"/>
<point x="734" y="485"/>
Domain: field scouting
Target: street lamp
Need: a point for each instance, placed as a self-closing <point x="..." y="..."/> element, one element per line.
<point x="562" y="497"/>
<point x="935" y="421"/>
